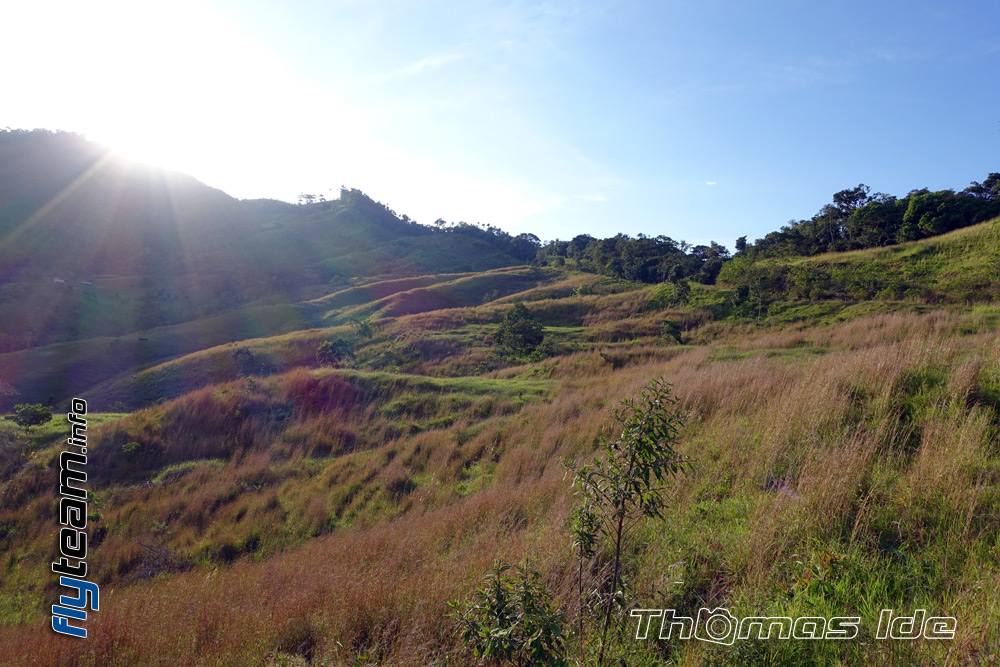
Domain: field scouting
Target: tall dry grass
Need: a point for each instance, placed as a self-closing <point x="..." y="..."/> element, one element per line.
<point x="888" y="438"/>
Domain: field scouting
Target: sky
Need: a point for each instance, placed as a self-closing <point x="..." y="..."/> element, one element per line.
<point x="696" y="119"/>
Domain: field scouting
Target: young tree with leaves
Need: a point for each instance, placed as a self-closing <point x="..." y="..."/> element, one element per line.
<point x="28" y="415"/>
<point x="520" y="333"/>
<point x="627" y="484"/>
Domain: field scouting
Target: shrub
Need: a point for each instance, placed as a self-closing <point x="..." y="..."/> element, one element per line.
<point x="246" y="361"/>
<point x="334" y="352"/>
<point x="626" y="483"/>
<point x="511" y="619"/>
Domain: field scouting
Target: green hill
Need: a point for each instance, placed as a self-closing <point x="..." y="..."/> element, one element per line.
<point x="961" y="267"/>
<point x="307" y="468"/>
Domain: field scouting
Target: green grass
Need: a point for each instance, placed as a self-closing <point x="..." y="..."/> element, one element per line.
<point x="790" y="354"/>
<point x="460" y="467"/>
<point x="465" y="291"/>
<point x="961" y="267"/>
<point x="58" y="427"/>
<point x="471" y="386"/>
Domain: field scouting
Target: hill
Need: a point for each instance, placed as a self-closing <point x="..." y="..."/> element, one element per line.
<point x="302" y="479"/>
<point x="960" y="267"/>
<point x="94" y="245"/>
<point x="308" y="473"/>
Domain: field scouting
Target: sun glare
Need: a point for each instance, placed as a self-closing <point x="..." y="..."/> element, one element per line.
<point x="182" y="87"/>
<point x="173" y="85"/>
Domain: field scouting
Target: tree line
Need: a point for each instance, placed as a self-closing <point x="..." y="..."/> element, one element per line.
<point x="642" y="259"/>
<point x="858" y="219"/>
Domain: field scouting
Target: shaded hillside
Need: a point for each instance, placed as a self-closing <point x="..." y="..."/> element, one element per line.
<point x="94" y="245"/>
<point x="126" y="366"/>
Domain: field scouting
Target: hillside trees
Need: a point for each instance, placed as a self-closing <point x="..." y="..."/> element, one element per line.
<point x="989" y="189"/>
<point x="858" y="219"/>
<point x="643" y="259"/>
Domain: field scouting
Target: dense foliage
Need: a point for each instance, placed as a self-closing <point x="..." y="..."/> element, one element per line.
<point x="519" y="334"/>
<point x="858" y="219"/>
<point x="642" y="259"/>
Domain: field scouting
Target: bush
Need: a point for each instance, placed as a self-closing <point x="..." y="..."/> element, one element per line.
<point x="245" y="361"/>
<point x="334" y="352"/>
<point x="510" y="619"/>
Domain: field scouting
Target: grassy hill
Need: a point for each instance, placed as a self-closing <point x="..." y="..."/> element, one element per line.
<point x="841" y="415"/>
<point x="838" y="468"/>
<point x="962" y="266"/>
<point x="92" y="245"/>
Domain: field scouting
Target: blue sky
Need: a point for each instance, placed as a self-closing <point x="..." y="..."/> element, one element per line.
<point x="698" y="120"/>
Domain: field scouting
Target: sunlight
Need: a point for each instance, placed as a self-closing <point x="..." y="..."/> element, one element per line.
<point x="184" y="88"/>
<point x="175" y="86"/>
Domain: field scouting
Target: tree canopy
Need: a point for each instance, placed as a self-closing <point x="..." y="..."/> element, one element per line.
<point x="27" y="415"/>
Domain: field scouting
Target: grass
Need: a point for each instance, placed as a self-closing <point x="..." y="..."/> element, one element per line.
<point x="844" y="458"/>
<point x="960" y="267"/>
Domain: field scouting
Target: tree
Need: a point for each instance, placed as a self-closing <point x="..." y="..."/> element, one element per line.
<point x="848" y="201"/>
<point x="511" y="619"/>
<point x="363" y="329"/>
<point x="519" y="333"/>
<point x="988" y="189"/>
<point x="334" y="352"/>
<point x="31" y="415"/>
<point x="525" y="246"/>
<point x="626" y="484"/>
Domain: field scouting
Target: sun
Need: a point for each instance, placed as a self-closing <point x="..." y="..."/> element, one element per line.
<point x="176" y="84"/>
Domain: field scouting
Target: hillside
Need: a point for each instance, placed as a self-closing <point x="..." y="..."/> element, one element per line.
<point x="958" y="267"/>
<point x="263" y="479"/>
<point x="94" y="245"/>
<point x="309" y="473"/>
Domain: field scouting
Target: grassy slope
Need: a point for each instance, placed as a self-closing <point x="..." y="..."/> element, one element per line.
<point x="127" y="362"/>
<point x="331" y="513"/>
<point x="960" y="267"/>
<point x="67" y="369"/>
